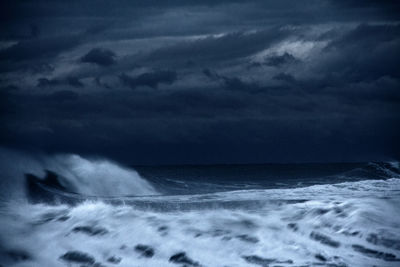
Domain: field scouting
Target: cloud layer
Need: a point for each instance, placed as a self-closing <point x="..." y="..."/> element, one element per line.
<point x="202" y="82"/>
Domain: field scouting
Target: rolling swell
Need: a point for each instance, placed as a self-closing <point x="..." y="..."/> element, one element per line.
<point x="182" y="180"/>
<point x="76" y="178"/>
<point x="103" y="180"/>
<point x="90" y="180"/>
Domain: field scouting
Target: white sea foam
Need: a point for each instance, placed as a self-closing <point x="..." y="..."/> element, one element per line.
<point x="348" y="224"/>
<point x="343" y="224"/>
<point x="86" y="176"/>
<point x="99" y="177"/>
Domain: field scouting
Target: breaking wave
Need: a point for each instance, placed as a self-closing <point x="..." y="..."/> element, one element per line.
<point x="351" y="221"/>
<point x="348" y="224"/>
<point x="99" y="177"/>
<point x="76" y="174"/>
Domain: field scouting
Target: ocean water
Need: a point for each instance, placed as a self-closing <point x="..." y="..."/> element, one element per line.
<point x="67" y="210"/>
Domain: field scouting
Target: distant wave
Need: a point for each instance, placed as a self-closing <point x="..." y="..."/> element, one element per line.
<point x="375" y="170"/>
<point x="187" y="180"/>
<point x="77" y="177"/>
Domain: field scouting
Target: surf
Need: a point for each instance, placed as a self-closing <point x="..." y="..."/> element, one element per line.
<point x="103" y="214"/>
<point x="42" y="177"/>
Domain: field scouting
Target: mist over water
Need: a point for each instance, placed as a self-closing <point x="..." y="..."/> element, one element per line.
<point x="88" y="177"/>
<point x="261" y="215"/>
<point x="100" y="177"/>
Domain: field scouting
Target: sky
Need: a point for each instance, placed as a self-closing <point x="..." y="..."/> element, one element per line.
<point x="202" y="82"/>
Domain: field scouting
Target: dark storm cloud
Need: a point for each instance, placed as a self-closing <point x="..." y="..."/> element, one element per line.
<point x="239" y="81"/>
<point x="280" y="60"/>
<point x="217" y="49"/>
<point x="166" y="16"/>
<point x="99" y="56"/>
<point x="237" y="84"/>
<point x="192" y="53"/>
<point x="200" y="119"/>
<point x="275" y="61"/>
<point x="65" y="95"/>
<point x="34" y="53"/>
<point x="369" y="35"/>
<point x="38" y="48"/>
<point x="75" y="82"/>
<point x="72" y="81"/>
<point x="366" y="53"/>
<point x="150" y="79"/>
<point x="233" y="83"/>
<point x="44" y="82"/>
<point x="363" y="3"/>
<point x="196" y="120"/>
<point x="284" y="77"/>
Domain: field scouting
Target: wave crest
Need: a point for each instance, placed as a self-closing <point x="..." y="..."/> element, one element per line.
<point x="100" y="177"/>
<point x="84" y="176"/>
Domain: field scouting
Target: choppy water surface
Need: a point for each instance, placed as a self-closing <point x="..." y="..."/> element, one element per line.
<point x="327" y="215"/>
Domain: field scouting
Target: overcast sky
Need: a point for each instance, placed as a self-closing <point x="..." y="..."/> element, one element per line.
<point x="185" y="81"/>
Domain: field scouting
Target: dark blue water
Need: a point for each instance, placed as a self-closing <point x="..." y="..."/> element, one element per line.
<point x="198" y="179"/>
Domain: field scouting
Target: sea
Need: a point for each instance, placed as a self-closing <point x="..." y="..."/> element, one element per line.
<point x="71" y="210"/>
